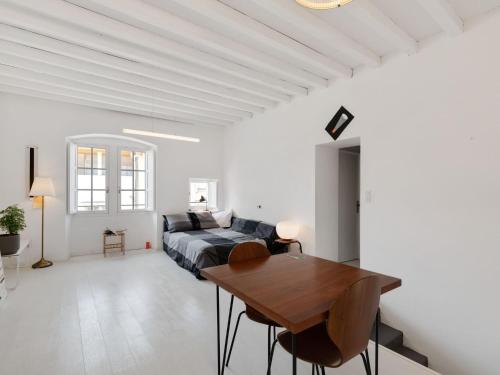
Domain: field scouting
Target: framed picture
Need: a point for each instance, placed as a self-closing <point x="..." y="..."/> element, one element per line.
<point x="339" y="122"/>
<point x="31" y="167"/>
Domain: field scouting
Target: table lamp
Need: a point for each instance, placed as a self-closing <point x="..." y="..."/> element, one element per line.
<point x="287" y="232"/>
<point x="42" y="187"/>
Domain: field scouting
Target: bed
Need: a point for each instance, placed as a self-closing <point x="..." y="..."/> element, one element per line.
<point x="201" y="248"/>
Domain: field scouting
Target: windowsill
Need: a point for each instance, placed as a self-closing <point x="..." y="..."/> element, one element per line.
<point x="105" y="214"/>
<point x="121" y="212"/>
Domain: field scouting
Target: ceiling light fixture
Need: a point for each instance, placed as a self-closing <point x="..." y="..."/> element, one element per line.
<point x="161" y="135"/>
<point x="322" y="4"/>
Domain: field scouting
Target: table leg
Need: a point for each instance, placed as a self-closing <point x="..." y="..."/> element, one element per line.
<point x="377" y="323"/>
<point x="218" y="331"/>
<point x="294" y="356"/>
<point x="227" y="333"/>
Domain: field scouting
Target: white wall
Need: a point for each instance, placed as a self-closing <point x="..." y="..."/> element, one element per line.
<point x="429" y="126"/>
<point x="28" y="121"/>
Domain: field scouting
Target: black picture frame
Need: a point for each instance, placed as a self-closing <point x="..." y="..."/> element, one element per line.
<point x="339" y="122"/>
<point x="31" y="167"/>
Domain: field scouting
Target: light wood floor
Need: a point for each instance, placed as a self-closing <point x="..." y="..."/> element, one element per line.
<point x="132" y="314"/>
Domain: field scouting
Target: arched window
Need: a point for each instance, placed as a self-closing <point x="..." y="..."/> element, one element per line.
<point x="108" y="174"/>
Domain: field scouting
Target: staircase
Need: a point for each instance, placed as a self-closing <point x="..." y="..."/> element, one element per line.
<point x="392" y="339"/>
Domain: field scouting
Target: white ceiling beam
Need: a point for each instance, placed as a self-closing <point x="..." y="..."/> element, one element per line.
<point x="153" y="103"/>
<point x="50" y="89"/>
<point x="9" y="16"/>
<point x="313" y="27"/>
<point x="445" y="16"/>
<point x="180" y="29"/>
<point x="122" y="87"/>
<point x="101" y="71"/>
<point x="88" y="103"/>
<point x="228" y="73"/>
<point x="366" y="12"/>
<point x="235" y="24"/>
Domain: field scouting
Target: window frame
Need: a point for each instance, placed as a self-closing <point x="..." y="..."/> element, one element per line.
<point x="208" y="181"/>
<point x="74" y="210"/>
<point x="149" y="173"/>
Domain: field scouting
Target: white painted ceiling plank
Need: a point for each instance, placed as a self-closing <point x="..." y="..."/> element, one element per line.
<point x="315" y="27"/>
<point x="263" y="84"/>
<point x="227" y="73"/>
<point x="90" y="103"/>
<point x="110" y="73"/>
<point x="242" y="28"/>
<point x="121" y="87"/>
<point x="52" y="89"/>
<point x="7" y="16"/>
<point x="367" y="13"/>
<point x="445" y="16"/>
<point x="179" y="28"/>
<point x="17" y="72"/>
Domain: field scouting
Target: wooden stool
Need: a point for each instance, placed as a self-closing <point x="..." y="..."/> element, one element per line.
<point x="120" y="234"/>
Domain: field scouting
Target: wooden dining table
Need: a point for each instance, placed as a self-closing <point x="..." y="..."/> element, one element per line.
<point x="295" y="290"/>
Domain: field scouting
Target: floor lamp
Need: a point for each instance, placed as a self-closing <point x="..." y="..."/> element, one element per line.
<point x="42" y="187"/>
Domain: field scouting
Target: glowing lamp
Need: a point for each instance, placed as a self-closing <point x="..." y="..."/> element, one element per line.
<point x="287" y="230"/>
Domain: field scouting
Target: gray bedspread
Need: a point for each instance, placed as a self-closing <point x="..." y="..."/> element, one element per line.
<point x="197" y="249"/>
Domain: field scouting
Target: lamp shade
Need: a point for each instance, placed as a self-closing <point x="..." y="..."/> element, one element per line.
<point x="42" y="186"/>
<point x="287" y="230"/>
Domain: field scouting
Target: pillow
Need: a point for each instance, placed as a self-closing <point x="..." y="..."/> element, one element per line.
<point x="189" y="221"/>
<point x="223" y="218"/>
<point x="244" y="225"/>
<point x="202" y="220"/>
<point x="178" y="223"/>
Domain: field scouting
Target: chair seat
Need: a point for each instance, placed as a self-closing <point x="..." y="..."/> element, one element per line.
<point x="313" y="345"/>
<point x="258" y="317"/>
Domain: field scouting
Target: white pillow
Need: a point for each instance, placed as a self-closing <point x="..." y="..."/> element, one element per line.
<point x="223" y="218"/>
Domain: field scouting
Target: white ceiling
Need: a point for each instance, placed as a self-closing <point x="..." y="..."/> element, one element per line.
<point x="212" y="62"/>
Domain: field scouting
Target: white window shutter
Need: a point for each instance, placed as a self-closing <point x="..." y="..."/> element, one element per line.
<point x="72" y="149"/>
<point x="151" y="167"/>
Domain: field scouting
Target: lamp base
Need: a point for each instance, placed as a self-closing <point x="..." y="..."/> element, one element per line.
<point x="42" y="263"/>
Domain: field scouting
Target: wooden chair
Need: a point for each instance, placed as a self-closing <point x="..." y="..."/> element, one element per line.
<point x="240" y="253"/>
<point x="344" y="335"/>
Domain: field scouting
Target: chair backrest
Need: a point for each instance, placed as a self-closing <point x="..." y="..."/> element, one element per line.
<point x="352" y="316"/>
<point x="247" y="251"/>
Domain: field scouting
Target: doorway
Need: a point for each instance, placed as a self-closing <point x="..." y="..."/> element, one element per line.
<point x="349" y="205"/>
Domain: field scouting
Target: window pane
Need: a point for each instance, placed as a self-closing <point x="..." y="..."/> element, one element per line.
<point x="84" y="200"/>
<point x="126" y="198"/>
<point x="198" y="191"/>
<point x="99" y="179"/>
<point x="139" y="180"/>
<point x="99" y="200"/>
<point x="126" y="159"/>
<point x="99" y="157"/>
<point x="84" y="159"/>
<point x="140" y="160"/>
<point x="83" y="179"/>
<point x="140" y="198"/>
<point x="126" y="180"/>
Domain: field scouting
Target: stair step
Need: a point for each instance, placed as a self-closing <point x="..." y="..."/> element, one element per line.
<point x="413" y="355"/>
<point x="389" y="337"/>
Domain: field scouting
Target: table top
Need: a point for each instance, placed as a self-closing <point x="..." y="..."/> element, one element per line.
<point x="24" y="244"/>
<point x="295" y="291"/>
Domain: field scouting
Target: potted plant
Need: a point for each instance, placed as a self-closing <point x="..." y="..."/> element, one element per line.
<point x="12" y="222"/>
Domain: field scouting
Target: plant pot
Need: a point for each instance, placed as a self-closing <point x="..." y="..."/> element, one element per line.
<point x="9" y="243"/>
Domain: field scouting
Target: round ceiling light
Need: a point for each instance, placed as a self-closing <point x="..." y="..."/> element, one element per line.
<point x="322" y="4"/>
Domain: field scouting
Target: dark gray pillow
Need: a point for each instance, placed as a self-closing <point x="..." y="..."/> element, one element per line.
<point x="179" y="223"/>
<point x="203" y="220"/>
